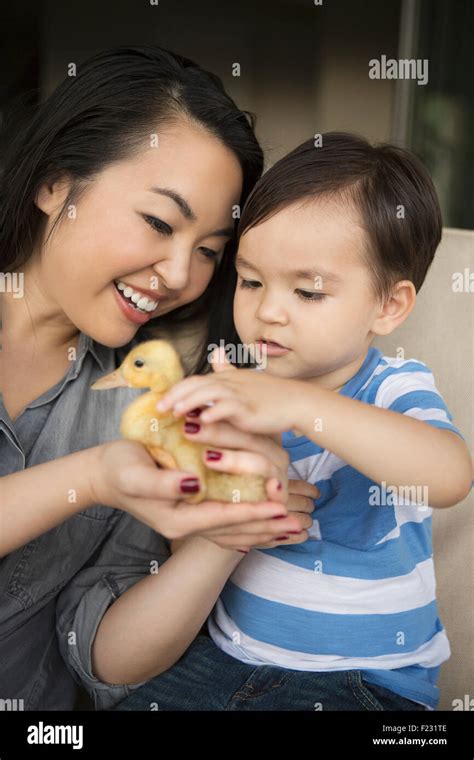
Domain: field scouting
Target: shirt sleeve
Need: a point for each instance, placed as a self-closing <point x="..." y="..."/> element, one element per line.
<point x="129" y="553"/>
<point x="410" y="389"/>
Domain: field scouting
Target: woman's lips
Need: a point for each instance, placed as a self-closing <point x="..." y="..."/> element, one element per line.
<point x="269" y="348"/>
<point x="138" y="318"/>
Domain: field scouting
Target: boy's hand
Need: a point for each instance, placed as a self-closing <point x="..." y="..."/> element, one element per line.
<point x="251" y="400"/>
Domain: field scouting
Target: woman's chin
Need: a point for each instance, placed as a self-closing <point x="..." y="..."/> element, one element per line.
<point x="111" y="336"/>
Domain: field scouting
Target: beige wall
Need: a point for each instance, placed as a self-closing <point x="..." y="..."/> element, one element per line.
<point x="304" y="69"/>
<point x="440" y="332"/>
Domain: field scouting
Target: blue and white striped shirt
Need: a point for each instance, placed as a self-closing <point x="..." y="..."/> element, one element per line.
<point x="360" y="592"/>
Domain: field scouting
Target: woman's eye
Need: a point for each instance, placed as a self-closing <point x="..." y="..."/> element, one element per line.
<point x="209" y="253"/>
<point x="158" y="225"/>
<point x="249" y="283"/>
<point x="309" y="295"/>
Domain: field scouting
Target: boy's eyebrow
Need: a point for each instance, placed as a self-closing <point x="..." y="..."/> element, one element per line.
<point x="186" y="209"/>
<point x="311" y="274"/>
<point x="308" y="274"/>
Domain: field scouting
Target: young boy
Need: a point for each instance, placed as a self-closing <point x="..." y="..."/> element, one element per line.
<point x="335" y="242"/>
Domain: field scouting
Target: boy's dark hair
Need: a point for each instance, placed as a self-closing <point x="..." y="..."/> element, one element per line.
<point x="389" y="187"/>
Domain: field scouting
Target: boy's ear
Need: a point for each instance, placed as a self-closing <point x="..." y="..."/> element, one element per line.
<point x="396" y="308"/>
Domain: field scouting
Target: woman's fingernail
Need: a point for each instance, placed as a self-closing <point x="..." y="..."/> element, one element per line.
<point x="213" y="456"/>
<point x="242" y="551"/>
<point x="278" y="517"/>
<point x="189" y="485"/>
<point x="281" y="538"/>
<point x="295" y="532"/>
<point x="192" y="427"/>
<point x="279" y="485"/>
<point x="194" y="412"/>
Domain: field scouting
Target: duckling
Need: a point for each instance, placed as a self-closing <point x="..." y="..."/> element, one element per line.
<point x="155" y="364"/>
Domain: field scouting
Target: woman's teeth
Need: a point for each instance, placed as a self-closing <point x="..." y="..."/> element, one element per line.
<point x="140" y="302"/>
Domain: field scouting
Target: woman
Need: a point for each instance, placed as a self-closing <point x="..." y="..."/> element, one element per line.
<point x="122" y="187"/>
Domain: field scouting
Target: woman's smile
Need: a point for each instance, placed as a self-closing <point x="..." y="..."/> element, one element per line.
<point x="134" y="305"/>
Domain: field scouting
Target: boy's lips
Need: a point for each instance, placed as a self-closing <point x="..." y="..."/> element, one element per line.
<point x="271" y="347"/>
<point x="271" y="342"/>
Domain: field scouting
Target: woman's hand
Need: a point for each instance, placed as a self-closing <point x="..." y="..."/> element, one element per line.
<point x="124" y="475"/>
<point x="252" y="401"/>
<point x="243" y="452"/>
<point x="273" y="532"/>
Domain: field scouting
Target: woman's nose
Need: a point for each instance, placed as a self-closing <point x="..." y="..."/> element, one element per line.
<point x="173" y="273"/>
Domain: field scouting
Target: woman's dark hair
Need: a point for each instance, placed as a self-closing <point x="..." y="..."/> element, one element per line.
<point x="390" y="188"/>
<point x="101" y="116"/>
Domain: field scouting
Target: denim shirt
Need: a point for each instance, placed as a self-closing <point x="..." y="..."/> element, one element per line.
<point x="55" y="590"/>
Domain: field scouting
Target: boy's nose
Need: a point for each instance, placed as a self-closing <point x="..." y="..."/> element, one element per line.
<point x="271" y="311"/>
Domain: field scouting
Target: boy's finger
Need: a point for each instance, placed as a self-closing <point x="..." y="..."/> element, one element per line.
<point x="199" y="397"/>
<point x="219" y="360"/>
<point x="303" y="488"/>
<point x="180" y="390"/>
<point x="297" y="503"/>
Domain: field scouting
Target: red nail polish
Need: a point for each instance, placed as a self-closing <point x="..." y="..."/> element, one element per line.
<point x="242" y="551"/>
<point x="295" y="532"/>
<point x="213" y="456"/>
<point x="189" y="485"/>
<point x="281" y="538"/>
<point x="192" y="427"/>
<point x="279" y="517"/>
<point x="194" y="412"/>
<point x="279" y="485"/>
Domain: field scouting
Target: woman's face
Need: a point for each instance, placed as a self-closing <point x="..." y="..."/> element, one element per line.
<point x="161" y="244"/>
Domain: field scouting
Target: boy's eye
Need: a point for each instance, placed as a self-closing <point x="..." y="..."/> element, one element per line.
<point x="249" y="283"/>
<point x="310" y="295"/>
<point x="158" y="225"/>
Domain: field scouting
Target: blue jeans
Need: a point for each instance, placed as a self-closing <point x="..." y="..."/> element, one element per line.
<point x="206" y="678"/>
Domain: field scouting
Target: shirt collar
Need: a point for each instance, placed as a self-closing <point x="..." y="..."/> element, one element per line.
<point x="100" y="353"/>
<point x="355" y="383"/>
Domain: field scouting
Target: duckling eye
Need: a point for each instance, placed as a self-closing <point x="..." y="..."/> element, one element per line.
<point x="139" y="363"/>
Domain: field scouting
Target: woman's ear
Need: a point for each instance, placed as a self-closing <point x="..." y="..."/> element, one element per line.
<point x="395" y="309"/>
<point x="51" y="195"/>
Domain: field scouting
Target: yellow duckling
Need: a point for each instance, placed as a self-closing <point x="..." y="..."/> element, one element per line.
<point x="155" y="364"/>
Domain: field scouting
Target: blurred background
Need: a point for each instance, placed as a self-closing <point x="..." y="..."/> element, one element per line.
<point x="304" y="67"/>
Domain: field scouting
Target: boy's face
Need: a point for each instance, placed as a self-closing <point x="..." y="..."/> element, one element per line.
<point x="323" y="317"/>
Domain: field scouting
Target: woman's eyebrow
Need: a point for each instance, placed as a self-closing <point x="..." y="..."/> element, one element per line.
<point x="187" y="211"/>
<point x="182" y="204"/>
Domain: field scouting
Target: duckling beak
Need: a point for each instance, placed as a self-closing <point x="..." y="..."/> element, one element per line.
<point x="112" y="380"/>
